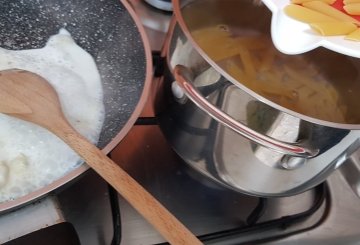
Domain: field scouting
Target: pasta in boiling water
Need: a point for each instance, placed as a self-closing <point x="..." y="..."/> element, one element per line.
<point x="289" y="81"/>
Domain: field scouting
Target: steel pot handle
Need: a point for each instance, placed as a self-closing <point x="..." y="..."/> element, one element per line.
<point x="183" y="79"/>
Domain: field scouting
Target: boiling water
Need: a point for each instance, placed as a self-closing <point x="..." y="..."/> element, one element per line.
<point x="235" y="34"/>
<point x="30" y="156"/>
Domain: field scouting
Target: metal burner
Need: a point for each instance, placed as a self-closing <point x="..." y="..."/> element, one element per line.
<point x="161" y="4"/>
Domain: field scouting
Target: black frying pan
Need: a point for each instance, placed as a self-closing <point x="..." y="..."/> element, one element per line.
<point x="107" y="30"/>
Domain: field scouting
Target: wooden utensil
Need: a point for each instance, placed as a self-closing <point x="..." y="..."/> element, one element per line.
<point x="30" y="97"/>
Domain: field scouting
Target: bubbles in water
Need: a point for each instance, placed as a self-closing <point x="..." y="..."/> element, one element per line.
<point x="75" y="77"/>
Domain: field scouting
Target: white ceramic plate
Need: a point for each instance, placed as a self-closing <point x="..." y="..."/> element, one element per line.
<point x="294" y="37"/>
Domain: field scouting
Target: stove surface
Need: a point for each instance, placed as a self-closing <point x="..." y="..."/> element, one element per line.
<point x="217" y="215"/>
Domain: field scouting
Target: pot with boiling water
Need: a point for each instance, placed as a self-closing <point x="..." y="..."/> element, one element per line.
<point x="249" y="117"/>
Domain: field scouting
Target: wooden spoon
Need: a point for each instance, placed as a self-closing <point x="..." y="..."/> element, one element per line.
<point x="30" y="97"/>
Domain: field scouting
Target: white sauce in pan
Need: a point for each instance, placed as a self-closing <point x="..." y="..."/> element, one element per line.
<point x="30" y="156"/>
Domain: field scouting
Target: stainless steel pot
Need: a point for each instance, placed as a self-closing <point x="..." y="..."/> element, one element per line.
<point x="237" y="137"/>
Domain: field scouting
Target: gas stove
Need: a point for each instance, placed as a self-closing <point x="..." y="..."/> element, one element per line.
<point x="326" y="214"/>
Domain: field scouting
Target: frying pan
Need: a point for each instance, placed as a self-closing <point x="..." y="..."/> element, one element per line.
<point x="110" y="31"/>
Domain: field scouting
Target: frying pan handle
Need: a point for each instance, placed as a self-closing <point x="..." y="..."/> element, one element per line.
<point x="183" y="79"/>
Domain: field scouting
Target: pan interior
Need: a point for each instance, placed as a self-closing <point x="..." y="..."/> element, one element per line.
<point x="107" y="31"/>
<point x="104" y="29"/>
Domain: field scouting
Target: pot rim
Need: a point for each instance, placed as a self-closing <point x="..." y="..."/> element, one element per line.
<point x="181" y="22"/>
<point x="34" y="195"/>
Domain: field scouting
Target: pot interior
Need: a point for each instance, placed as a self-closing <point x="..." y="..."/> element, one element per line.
<point x="235" y="34"/>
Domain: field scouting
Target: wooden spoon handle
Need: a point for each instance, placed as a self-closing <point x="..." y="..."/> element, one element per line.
<point x="168" y="226"/>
